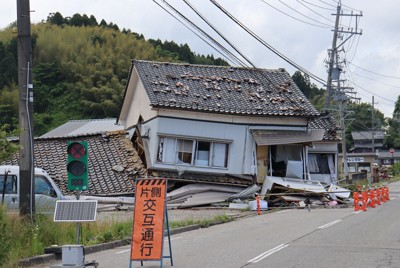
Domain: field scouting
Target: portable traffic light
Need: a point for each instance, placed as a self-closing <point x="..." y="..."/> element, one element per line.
<point x="77" y="165"/>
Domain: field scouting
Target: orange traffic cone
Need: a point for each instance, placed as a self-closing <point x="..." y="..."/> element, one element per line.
<point x="370" y="198"/>
<point x="387" y="193"/>
<point x="377" y="197"/>
<point x="359" y="203"/>
<point x="383" y="195"/>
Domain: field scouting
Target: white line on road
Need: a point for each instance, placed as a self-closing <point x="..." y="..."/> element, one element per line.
<point x="357" y="212"/>
<point x="329" y="224"/>
<point x="175" y="238"/>
<point x="393" y="198"/>
<point x="267" y="253"/>
<point x="123" y="251"/>
<point x="282" y="211"/>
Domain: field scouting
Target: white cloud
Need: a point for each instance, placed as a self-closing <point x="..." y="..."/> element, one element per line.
<point x="377" y="49"/>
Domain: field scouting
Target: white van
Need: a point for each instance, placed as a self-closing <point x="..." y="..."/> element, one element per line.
<point x="47" y="192"/>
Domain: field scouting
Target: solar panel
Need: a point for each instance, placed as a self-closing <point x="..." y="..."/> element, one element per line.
<point x="75" y="210"/>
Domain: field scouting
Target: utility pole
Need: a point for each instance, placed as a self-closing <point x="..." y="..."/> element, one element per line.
<point x="372" y="125"/>
<point x="334" y="71"/>
<point x="26" y="159"/>
<point x="333" y="68"/>
<point x="332" y="57"/>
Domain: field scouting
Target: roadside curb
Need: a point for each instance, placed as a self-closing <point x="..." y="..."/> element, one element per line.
<point x="54" y="253"/>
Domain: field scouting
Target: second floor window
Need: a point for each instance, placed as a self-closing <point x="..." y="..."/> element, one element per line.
<point x="193" y="152"/>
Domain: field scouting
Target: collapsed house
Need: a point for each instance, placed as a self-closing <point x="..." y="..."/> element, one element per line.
<point x="112" y="158"/>
<point x="223" y="125"/>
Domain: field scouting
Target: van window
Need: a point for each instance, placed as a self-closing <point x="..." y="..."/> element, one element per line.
<point x="10" y="186"/>
<point x="43" y="186"/>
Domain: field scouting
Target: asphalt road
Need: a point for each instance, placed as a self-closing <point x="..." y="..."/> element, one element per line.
<point x="335" y="237"/>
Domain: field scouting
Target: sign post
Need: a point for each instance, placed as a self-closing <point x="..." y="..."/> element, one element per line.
<point x="392" y="153"/>
<point x="150" y="214"/>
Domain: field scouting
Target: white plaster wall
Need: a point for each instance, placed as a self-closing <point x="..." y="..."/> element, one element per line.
<point x="238" y="136"/>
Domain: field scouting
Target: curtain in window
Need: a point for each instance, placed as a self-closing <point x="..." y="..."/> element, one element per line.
<point x="313" y="163"/>
<point x="219" y="154"/>
<point x="168" y="155"/>
<point x="332" y="168"/>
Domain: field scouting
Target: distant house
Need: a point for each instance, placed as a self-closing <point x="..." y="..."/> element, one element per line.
<point x="388" y="158"/>
<point x="113" y="161"/>
<point x="219" y="124"/>
<point x="360" y="158"/>
<point x="363" y="141"/>
<point x="323" y="155"/>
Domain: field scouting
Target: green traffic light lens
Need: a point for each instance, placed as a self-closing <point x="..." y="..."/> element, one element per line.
<point x="77" y="168"/>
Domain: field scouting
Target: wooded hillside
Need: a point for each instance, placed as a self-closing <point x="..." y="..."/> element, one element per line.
<point x="79" y="69"/>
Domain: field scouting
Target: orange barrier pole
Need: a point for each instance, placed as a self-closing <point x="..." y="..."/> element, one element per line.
<point x="258" y="205"/>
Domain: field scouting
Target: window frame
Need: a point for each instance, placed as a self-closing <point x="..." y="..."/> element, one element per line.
<point x="162" y="154"/>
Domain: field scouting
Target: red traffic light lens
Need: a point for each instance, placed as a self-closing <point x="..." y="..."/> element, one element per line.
<point x="76" y="150"/>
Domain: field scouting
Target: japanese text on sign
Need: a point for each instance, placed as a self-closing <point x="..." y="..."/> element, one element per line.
<point x="148" y="222"/>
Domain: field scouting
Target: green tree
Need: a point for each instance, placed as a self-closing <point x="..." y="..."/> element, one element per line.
<point x="392" y="137"/>
<point x="7" y="148"/>
<point x="56" y="19"/>
<point x="76" y="20"/>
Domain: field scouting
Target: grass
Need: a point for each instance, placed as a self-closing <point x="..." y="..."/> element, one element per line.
<point x="21" y="238"/>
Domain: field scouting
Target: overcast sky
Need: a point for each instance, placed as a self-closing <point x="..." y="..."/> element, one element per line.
<point x="301" y="30"/>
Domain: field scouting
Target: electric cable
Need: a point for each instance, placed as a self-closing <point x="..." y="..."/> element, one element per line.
<point x="229" y="58"/>
<point x="388" y="76"/>
<point x="318" y="6"/>
<point x="218" y="32"/>
<point x="236" y="59"/>
<point x="312" y="24"/>
<point x="315" y="12"/>
<point x="282" y="56"/>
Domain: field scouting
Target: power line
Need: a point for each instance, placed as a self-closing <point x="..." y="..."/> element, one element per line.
<point x="216" y="49"/>
<point x="233" y="57"/>
<point x="327" y="3"/>
<point x="319" y="6"/>
<point x="389" y="76"/>
<point x="315" y="12"/>
<point x="218" y="32"/>
<point x="282" y="56"/>
<point x="373" y="93"/>
<point x="383" y="83"/>
<point x="312" y="24"/>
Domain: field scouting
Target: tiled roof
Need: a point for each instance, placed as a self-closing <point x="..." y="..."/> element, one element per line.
<point x="366" y="135"/>
<point x="111" y="159"/>
<point x="328" y="123"/>
<point x="225" y="90"/>
<point x="75" y="128"/>
<point x="388" y="155"/>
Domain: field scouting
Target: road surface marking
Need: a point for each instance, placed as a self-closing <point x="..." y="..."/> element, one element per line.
<point x="267" y="253"/>
<point x="357" y="212"/>
<point x="123" y="251"/>
<point x="393" y="198"/>
<point x="282" y="211"/>
<point x="329" y="224"/>
<point x="175" y="238"/>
